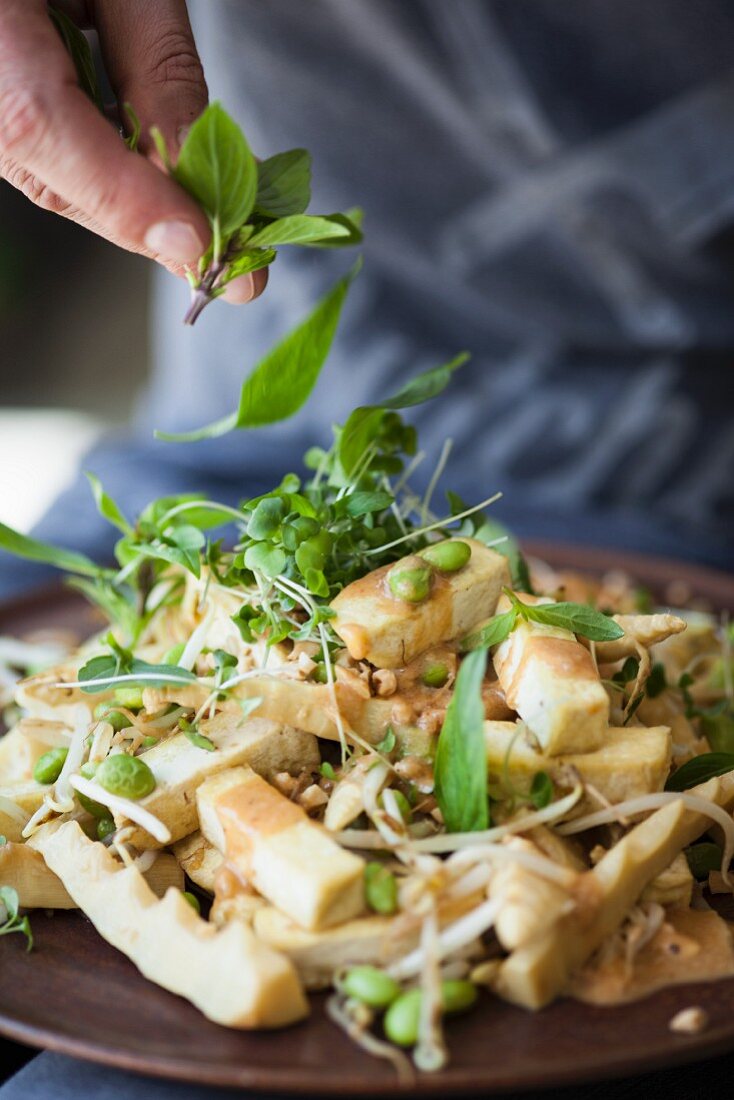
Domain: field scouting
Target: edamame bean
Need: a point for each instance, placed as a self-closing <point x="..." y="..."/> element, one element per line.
<point x="132" y="698"/>
<point x="105" y="827"/>
<point x="402" y="1019"/>
<point x="410" y="580"/>
<point x="403" y="1016"/>
<point x="435" y="675"/>
<point x="381" y="888"/>
<point x="48" y="767"/>
<point x="126" y="776"/>
<point x="192" y="900"/>
<point x="173" y="655"/>
<point x="105" y="712"/>
<point x="448" y="556"/>
<point x="88" y="771"/>
<point x="371" y="986"/>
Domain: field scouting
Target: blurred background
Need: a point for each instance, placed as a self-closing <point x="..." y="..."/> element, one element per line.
<point x="58" y="395"/>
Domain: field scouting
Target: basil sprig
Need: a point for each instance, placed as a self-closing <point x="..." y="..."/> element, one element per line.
<point x="461" y="754"/>
<point x="579" y="618"/>
<point x="251" y="207"/>
<point x="700" y="769"/>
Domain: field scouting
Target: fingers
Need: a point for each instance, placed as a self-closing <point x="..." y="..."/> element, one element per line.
<point x="55" y="141"/>
<point x="246" y="288"/>
<point x="152" y="63"/>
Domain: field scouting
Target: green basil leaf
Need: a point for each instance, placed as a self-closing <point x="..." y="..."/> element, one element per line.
<point x="282" y="381"/>
<point x="103" y="672"/>
<point x="579" y="618"/>
<point x="700" y="769"/>
<point x="106" y="506"/>
<point x="362" y="424"/>
<point x="22" y="546"/>
<point x="192" y="734"/>
<point x="118" y="607"/>
<point x="248" y="261"/>
<point x="703" y="858"/>
<point x="352" y="222"/>
<point x="298" y="229"/>
<point x="492" y="633"/>
<point x="284" y="184"/>
<point x="79" y="50"/>
<point x="217" y="168"/>
<point x="461" y="755"/>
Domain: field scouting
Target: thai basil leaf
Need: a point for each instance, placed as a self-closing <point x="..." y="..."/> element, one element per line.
<point x="703" y="858"/>
<point x="579" y="618"/>
<point x="284" y="184"/>
<point x="79" y="50"/>
<point x="461" y="755"/>
<point x="103" y="672"/>
<point x="217" y="168"/>
<point x="362" y="424"/>
<point x="107" y="507"/>
<point x="700" y="769"/>
<point x="492" y="633"/>
<point x="298" y="229"/>
<point x="283" y="380"/>
<point x="22" y="546"/>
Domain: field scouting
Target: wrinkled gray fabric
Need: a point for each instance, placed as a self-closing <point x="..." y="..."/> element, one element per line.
<point x="549" y="185"/>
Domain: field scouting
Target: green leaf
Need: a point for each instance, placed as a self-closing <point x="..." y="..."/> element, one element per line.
<point x="265" y="521"/>
<point x="362" y="503"/>
<point x="118" y="607"/>
<point x="489" y="531"/>
<point x="719" y="729"/>
<point x="351" y="220"/>
<point x="298" y="229"/>
<point x="243" y="621"/>
<point x="327" y="770"/>
<point x="14" y="923"/>
<point x="703" y="858"/>
<point x="22" y="546"/>
<point x="388" y="742"/>
<point x="284" y="184"/>
<point x="133" y="138"/>
<point x="79" y="50"/>
<point x="461" y="755"/>
<point x="217" y="168"/>
<point x="362" y="424"/>
<point x="196" y="738"/>
<point x="106" y="506"/>
<point x="282" y="382"/>
<point x="246" y="262"/>
<point x="657" y="681"/>
<point x="700" y="769"/>
<point x="106" y="671"/>
<point x="492" y="633"/>
<point x="579" y="618"/>
<point x="541" y="790"/>
<point x="9" y="898"/>
<point x="267" y="559"/>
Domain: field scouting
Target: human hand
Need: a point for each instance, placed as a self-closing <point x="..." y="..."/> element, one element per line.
<point x="62" y="153"/>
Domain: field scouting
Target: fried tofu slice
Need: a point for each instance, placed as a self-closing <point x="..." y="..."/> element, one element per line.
<point x="180" y="767"/>
<point x="535" y="974"/>
<point x="633" y="760"/>
<point x="24" y="869"/>
<point x="673" y="886"/>
<point x="19" y="752"/>
<point x="229" y="975"/>
<point x="390" y="633"/>
<point x="551" y="681"/>
<point x="272" y="844"/>
<point x="199" y="859"/>
<point x="40" y="697"/>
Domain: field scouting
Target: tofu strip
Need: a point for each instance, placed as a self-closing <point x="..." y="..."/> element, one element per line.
<point x="229" y="975"/>
<point x="533" y="975"/>
<point x="633" y="760"/>
<point x="25" y="870"/>
<point x="271" y="843"/>
<point x="550" y="680"/>
<point x="391" y="633"/>
<point x="180" y="767"/>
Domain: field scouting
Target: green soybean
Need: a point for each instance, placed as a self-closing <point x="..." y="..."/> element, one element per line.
<point x="435" y="675"/>
<point x="105" y="827"/>
<point x="371" y="986"/>
<point x="402" y="1019"/>
<point x="381" y="888"/>
<point x="458" y="995"/>
<point x="192" y="900"/>
<point x="105" y="712"/>
<point x="126" y="776"/>
<point x="132" y="698"/>
<point x="48" y="767"/>
<point x="449" y="556"/>
<point x="410" y="580"/>
<point x="89" y="771"/>
<point x="173" y="655"/>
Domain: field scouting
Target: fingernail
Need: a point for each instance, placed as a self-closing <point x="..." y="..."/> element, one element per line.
<point x="175" y="241"/>
<point x="240" y="290"/>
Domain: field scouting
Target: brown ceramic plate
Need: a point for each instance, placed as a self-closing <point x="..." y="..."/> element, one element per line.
<point x="75" y="994"/>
